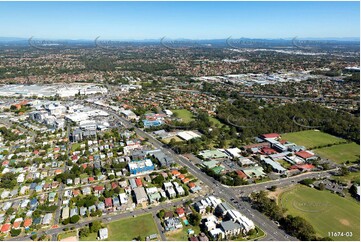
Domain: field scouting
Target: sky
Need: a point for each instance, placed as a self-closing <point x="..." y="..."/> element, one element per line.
<point x="194" y="20"/>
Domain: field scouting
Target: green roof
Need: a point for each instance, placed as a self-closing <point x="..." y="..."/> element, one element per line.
<point x="255" y="171"/>
<point x="218" y="169"/>
<point x="212" y="154"/>
<point x="210" y="164"/>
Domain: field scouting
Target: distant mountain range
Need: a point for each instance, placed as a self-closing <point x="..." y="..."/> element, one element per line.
<point x="11" y="39"/>
<point x="231" y="42"/>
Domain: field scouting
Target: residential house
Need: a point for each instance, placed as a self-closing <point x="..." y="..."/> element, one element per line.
<point x="103" y="234"/>
<point x="180" y="212"/>
<point x="74" y="211"/>
<point x="108" y="202"/>
<point x="230" y="228"/>
<point x="140" y="194"/>
<point x="172" y="224"/>
<point x="65" y="213"/>
<point x="47" y="219"/>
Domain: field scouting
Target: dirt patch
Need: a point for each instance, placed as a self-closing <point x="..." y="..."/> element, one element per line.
<point x="344" y="222"/>
<point x="275" y="195"/>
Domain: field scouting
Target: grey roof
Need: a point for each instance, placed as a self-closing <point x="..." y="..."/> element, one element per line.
<point x="132" y="183"/>
<point x="275" y="165"/>
<point x="223" y="207"/>
<point x="140" y="193"/>
<point x="230" y="225"/>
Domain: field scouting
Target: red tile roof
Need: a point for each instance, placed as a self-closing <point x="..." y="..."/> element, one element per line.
<point x="114" y="185"/>
<point x="271" y="135"/>
<point x="185" y="180"/>
<point x="175" y="173"/>
<point x="76" y="192"/>
<point x="28" y="222"/>
<point x="304" y="154"/>
<point x="180" y="211"/>
<point x="268" y="151"/>
<point x="5" y="228"/>
<point x="191" y="185"/>
<point x="108" y="202"/>
<point x="98" y="188"/>
<point x="58" y="171"/>
<point x="17" y="224"/>
<point x="303" y="167"/>
<point x="138" y="181"/>
<point x="241" y="174"/>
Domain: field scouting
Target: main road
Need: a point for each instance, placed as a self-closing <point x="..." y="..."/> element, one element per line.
<point x="228" y="194"/>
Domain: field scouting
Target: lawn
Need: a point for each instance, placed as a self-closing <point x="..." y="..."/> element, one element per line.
<point x="90" y="237"/>
<point x="326" y="212"/>
<point x="184" y="114"/>
<point x="75" y="146"/>
<point x="167" y="140"/>
<point x="67" y="234"/>
<point x="340" y="153"/>
<point x="215" y="121"/>
<point x="311" y="138"/>
<point x="284" y="163"/>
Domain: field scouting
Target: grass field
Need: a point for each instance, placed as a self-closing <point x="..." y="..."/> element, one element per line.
<point x="129" y="228"/>
<point x="340" y="153"/>
<point x="326" y="212"/>
<point x="215" y="121"/>
<point x="311" y="138"/>
<point x="184" y="114"/>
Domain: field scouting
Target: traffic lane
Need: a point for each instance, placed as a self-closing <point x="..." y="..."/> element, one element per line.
<point x="282" y="183"/>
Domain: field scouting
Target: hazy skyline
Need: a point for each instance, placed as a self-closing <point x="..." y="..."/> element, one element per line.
<point x="197" y="20"/>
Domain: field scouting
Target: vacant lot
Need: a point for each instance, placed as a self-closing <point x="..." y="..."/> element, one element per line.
<point x="128" y="229"/>
<point x="326" y="212"/>
<point x="340" y="153"/>
<point x="312" y="138"/>
<point x="184" y="114"/>
<point x="167" y="140"/>
<point x="67" y="235"/>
